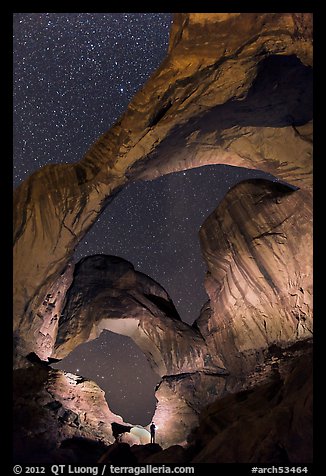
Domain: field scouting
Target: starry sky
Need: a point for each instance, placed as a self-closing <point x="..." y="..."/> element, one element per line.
<point x="74" y="75"/>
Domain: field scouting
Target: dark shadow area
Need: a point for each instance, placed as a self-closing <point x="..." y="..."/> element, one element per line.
<point x="280" y="96"/>
<point x="165" y="306"/>
<point x="118" y="429"/>
<point x="160" y="114"/>
<point x="122" y="453"/>
<point x="287" y="84"/>
<point x="119" y="453"/>
<point x="83" y="450"/>
<point x="278" y="412"/>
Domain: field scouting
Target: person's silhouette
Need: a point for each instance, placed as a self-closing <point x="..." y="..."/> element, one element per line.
<point x="152" y="428"/>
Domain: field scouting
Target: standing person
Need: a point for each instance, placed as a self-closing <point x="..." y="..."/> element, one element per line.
<point x="152" y="428"/>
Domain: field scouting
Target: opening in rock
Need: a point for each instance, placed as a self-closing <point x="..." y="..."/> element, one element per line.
<point x="177" y="281"/>
<point x="117" y="365"/>
<point x="155" y="225"/>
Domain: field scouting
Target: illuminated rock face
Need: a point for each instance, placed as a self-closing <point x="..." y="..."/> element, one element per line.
<point x="258" y="250"/>
<point x="235" y="89"/>
<point x="52" y="409"/>
<point x="107" y="293"/>
<point x="180" y="399"/>
<point x="44" y="326"/>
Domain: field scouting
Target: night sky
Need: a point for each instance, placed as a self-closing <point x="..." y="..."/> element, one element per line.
<point x="74" y="75"/>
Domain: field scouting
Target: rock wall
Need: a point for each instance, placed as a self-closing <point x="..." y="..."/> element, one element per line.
<point x="180" y="400"/>
<point x="258" y="249"/>
<point x="268" y="128"/>
<point x="270" y="423"/>
<point x="52" y="409"/>
<point x="40" y="337"/>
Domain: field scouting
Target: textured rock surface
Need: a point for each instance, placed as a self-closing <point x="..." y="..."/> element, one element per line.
<point x="41" y="336"/>
<point x="53" y="409"/>
<point x="258" y="250"/>
<point x="107" y="293"/>
<point x="270" y="423"/>
<point x="206" y="68"/>
<point x="180" y="400"/>
<point x="269" y="128"/>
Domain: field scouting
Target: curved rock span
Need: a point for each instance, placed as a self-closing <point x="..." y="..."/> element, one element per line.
<point x="234" y="89"/>
<point x="107" y="293"/>
<point x="211" y="66"/>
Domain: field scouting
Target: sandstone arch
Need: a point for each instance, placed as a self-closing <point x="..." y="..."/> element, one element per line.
<point x="211" y="101"/>
<point x="107" y="293"/>
<point x="55" y="207"/>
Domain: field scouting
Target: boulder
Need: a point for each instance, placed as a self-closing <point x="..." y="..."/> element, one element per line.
<point x="56" y="413"/>
<point x="269" y="423"/>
